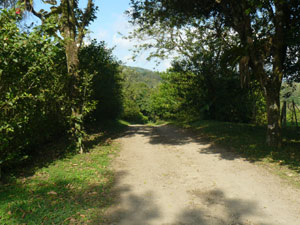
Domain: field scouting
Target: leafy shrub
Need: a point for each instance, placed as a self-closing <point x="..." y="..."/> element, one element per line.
<point x="132" y="113"/>
<point x="106" y="86"/>
<point x="186" y="96"/>
<point x="33" y="101"/>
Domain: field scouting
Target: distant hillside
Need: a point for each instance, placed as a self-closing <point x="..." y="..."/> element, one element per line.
<point x="141" y="75"/>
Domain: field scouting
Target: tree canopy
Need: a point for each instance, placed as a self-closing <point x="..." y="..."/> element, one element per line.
<point x="267" y="47"/>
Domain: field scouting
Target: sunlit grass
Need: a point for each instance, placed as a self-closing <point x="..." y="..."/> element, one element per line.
<point x="75" y="189"/>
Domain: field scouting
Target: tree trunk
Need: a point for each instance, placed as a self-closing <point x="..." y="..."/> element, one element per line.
<point x="71" y="48"/>
<point x="283" y="114"/>
<point x="295" y="113"/>
<point x="274" y="123"/>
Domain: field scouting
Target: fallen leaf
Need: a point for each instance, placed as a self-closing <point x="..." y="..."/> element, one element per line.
<point x="52" y="193"/>
<point x="9" y="213"/>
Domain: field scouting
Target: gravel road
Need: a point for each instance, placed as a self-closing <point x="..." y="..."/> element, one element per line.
<point x="168" y="176"/>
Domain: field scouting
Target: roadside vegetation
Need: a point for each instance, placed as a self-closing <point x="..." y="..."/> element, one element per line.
<point x="60" y="186"/>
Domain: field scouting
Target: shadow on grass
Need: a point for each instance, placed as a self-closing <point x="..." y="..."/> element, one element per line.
<point x="74" y="200"/>
<point x="61" y="203"/>
<point x="249" y="142"/>
<point x="54" y="203"/>
<point x="60" y="148"/>
<point x="104" y="133"/>
<point x="40" y="157"/>
<point x="66" y="188"/>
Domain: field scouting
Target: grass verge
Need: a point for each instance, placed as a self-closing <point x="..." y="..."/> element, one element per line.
<point x="248" y="141"/>
<point x="72" y="189"/>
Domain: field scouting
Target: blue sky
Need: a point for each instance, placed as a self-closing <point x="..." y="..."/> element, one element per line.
<point x="111" y="21"/>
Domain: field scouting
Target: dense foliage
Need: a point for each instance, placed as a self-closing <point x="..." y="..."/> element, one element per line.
<point x="138" y="86"/>
<point x="185" y="96"/>
<point x="35" y="100"/>
<point x="106" y="87"/>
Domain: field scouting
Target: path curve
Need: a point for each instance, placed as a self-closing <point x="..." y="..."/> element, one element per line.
<point x="167" y="176"/>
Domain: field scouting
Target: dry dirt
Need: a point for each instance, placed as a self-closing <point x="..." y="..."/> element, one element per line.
<point x="168" y="176"/>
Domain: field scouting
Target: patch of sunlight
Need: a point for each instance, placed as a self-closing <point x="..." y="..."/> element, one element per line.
<point x="252" y="146"/>
<point x="294" y="141"/>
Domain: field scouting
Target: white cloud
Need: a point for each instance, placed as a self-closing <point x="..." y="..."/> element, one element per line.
<point x="127" y="59"/>
<point x="100" y="34"/>
<point x="121" y="42"/>
<point x="122" y="25"/>
<point x="166" y="64"/>
<point x="113" y="36"/>
<point x="141" y="61"/>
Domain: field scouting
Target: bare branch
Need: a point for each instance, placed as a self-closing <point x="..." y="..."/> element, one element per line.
<point x="85" y="21"/>
<point x="29" y="7"/>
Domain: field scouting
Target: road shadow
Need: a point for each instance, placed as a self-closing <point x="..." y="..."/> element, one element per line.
<point x="161" y="135"/>
<point x="209" y="207"/>
<point x="229" y="143"/>
<point x="171" y="135"/>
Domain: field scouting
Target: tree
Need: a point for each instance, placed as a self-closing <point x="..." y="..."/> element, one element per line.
<point x="71" y="22"/>
<point x="96" y="59"/>
<point x="267" y="31"/>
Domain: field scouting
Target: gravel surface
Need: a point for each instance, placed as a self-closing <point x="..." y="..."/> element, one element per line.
<point x="168" y="176"/>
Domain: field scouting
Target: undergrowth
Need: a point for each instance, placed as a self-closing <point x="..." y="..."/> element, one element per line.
<point x="68" y="189"/>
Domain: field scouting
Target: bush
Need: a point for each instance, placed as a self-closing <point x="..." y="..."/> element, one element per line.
<point x="106" y="85"/>
<point x="187" y="96"/>
<point x="132" y="113"/>
<point x="33" y="101"/>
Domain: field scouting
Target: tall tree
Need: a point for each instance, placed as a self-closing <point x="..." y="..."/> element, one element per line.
<point x="71" y="22"/>
<point x="268" y="32"/>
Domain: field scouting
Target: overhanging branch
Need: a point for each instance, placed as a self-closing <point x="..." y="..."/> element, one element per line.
<point x="29" y="7"/>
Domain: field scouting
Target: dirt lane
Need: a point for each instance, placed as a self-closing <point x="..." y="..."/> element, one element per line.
<point x="165" y="176"/>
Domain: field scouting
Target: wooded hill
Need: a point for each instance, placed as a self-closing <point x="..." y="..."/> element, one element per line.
<point x="138" y="74"/>
<point x="138" y="86"/>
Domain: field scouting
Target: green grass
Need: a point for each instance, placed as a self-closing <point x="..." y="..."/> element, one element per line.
<point x="72" y="189"/>
<point x="249" y="141"/>
<point x="289" y="116"/>
<point x="157" y="123"/>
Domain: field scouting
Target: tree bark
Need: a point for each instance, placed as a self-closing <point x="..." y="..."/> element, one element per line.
<point x="273" y="45"/>
<point x="69" y="34"/>
<point x="295" y="113"/>
<point x="274" y="137"/>
<point x="283" y="114"/>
